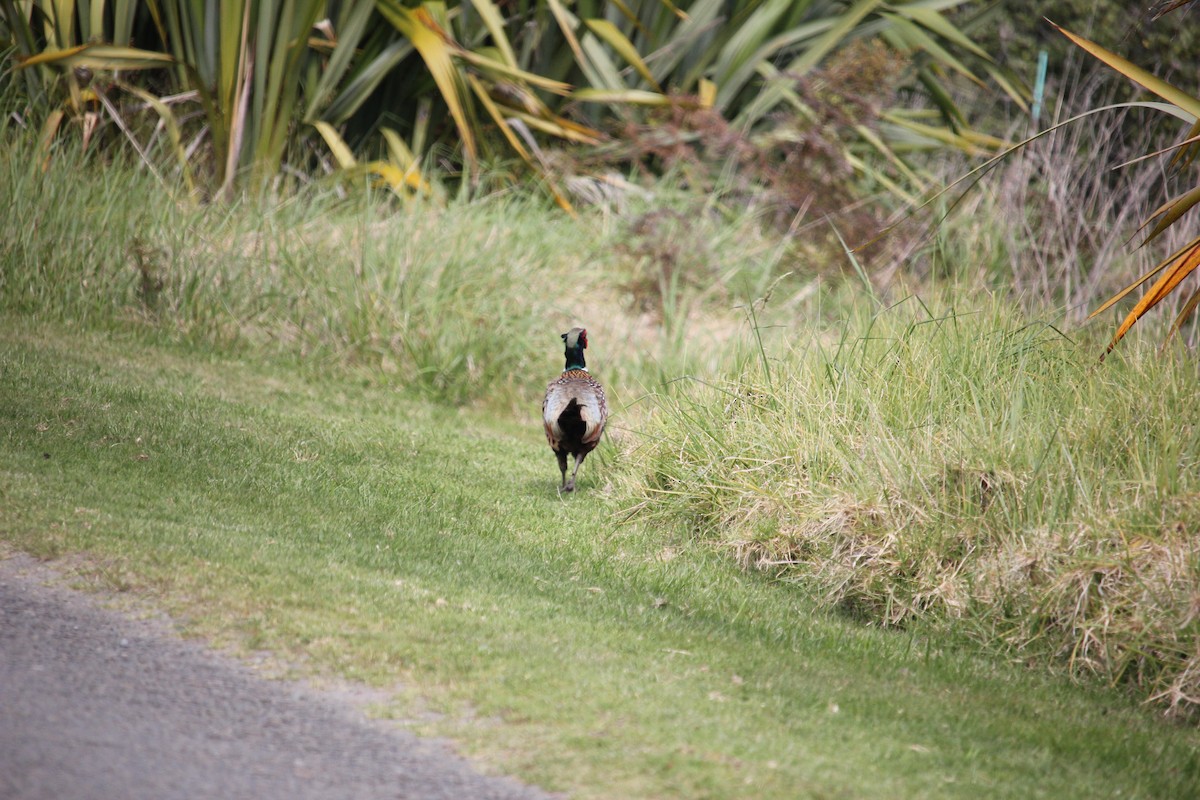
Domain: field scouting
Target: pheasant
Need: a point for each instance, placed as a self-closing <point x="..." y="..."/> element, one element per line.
<point x="574" y="411"/>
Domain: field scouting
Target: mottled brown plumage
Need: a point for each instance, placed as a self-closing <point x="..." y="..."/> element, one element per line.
<point x="574" y="411"/>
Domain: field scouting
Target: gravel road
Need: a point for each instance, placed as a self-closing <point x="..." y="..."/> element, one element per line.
<point x="97" y="704"/>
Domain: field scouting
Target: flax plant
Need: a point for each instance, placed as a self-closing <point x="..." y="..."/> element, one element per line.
<point x="1176" y="267"/>
<point x="286" y="83"/>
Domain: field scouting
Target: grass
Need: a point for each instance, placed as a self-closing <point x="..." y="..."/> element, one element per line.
<point x="308" y="427"/>
<point x="972" y="469"/>
<point x="358" y="532"/>
<point x="440" y="299"/>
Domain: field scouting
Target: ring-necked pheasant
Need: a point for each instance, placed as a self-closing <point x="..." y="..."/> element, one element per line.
<point x="574" y="411"/>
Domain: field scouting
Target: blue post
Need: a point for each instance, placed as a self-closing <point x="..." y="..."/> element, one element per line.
<point x="1039" y="87"/>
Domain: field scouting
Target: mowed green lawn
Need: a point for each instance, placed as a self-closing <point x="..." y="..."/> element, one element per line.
<point x="355" y="532"/>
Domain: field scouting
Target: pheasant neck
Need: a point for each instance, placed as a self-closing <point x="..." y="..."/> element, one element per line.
<point x="575" y="359"/>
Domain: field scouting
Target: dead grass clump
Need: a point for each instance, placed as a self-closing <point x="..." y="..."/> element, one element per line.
<point x="1124" y="609"/>
<point x="867" y="556"/>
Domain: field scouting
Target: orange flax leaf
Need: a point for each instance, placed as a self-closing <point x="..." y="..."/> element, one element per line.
<point x="1166" y="262"/>
<point x="1175" y="274"/>
<point x="1180" y="269"/>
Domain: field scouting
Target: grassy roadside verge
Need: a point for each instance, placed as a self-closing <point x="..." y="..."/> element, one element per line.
<point x="976" y="470"/>
<point x="363" y="534"/>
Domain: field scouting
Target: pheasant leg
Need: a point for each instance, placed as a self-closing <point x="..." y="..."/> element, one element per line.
<point x="570" y="487"/>
<point x="562" y="465"/>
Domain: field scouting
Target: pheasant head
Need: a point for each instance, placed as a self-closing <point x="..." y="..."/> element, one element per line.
<point x="575" y="341"/>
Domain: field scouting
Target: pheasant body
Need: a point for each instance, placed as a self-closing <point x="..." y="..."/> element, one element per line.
<point x="574" y="411"/>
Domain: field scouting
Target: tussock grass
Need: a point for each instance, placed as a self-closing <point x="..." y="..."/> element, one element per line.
<point x="462" y="302"/>
<point x="970" y="469"/>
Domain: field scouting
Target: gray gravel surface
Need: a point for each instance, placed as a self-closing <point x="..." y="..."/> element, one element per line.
<point x="97" y="704"/>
